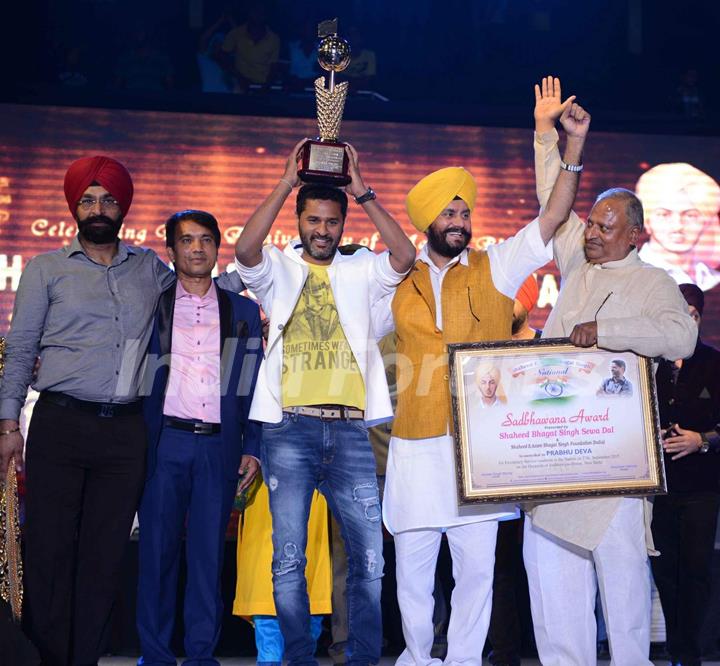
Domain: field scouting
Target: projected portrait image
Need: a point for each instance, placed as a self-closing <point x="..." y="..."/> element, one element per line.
<point x="681" y="206"/>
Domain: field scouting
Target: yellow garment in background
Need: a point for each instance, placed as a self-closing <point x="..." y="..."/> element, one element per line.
<point x="253" y="590"/>
<point x="253" y="60"/>
<point x="319" y="367"/>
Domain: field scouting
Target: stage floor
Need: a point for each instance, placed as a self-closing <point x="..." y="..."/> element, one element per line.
<point x="385" y="661"/>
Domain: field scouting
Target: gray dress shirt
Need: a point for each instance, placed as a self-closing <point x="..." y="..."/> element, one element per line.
<point x="89" y="323"/>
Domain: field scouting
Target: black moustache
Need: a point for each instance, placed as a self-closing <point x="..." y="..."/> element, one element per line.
<point x="98" y="218"/>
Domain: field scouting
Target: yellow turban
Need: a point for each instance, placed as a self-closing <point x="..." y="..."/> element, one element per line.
<point x="433" y="193"/>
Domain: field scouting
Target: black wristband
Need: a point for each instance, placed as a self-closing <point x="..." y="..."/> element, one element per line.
<point x="713" y="439"/>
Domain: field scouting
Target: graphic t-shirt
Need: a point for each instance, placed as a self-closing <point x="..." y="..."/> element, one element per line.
<point x="319" y="366"/>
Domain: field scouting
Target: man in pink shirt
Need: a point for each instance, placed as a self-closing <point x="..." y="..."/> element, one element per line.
<point x="203" y="359"/>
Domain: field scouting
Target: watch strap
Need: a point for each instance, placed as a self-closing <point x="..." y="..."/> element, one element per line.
<point x="368" y="196"/>
<point x="575" y="168"/>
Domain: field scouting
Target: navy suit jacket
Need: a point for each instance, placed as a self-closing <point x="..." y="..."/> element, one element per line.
<point x="240" y="352"/>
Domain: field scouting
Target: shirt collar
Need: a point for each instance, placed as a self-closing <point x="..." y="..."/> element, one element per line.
<point x="122" y="254"/>
<point x="181" y="292"/>
<point x="424" y="256"/>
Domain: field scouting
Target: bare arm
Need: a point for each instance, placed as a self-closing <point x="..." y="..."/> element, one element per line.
<point x="402" y="251"/>
<point x="248" y="249"/>
<point x="576" y="123"/>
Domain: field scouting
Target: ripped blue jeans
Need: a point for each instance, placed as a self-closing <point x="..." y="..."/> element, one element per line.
<point x="299" y="454"/>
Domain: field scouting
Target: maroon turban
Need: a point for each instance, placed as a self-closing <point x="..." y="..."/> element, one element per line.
<point x="106" y="171"/>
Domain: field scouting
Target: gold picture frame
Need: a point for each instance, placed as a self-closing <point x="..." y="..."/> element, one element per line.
<point x="546" y="420"/>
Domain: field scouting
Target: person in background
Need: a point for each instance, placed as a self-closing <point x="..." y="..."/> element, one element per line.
<point x="303" y="66"/>
<point x="255" y="49"/>
<point x="684" y="520"/>
<point x="253" y="590"/>
<point x="525" y="302"/>
<point x="214" y="78"/>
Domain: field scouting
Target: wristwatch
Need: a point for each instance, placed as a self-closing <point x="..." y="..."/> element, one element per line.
<point x="574" y="168"/>
<point x="704" y="444"/>
<point x="368" y="196"/>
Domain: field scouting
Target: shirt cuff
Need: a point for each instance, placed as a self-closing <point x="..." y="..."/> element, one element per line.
<point x="387" y="273"/>
<point x="10" y="409"/>
<point x="251" y="275"/>
<point x="535" y="241"/>
<point x="547" y="138"/>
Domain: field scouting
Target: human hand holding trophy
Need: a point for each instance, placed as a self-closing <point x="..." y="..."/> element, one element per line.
<point x="325" y="160"/>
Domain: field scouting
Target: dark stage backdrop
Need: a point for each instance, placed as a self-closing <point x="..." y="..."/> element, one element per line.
<point x="226" y="165"/>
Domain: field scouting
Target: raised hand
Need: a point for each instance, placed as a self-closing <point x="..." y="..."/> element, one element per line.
<point x="356" y="187"/>
<point x="575" y="121"/>
<point x="291" y="166"/>
<point x="549" y="106"/>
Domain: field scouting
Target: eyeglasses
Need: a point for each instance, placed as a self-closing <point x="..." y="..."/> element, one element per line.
<point x="105" y="202"/>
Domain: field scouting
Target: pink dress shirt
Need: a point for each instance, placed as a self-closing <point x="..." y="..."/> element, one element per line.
<point x="193" y="390"/>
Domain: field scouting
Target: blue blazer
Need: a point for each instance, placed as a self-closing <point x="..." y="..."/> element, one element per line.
<point x="240" y="354"/>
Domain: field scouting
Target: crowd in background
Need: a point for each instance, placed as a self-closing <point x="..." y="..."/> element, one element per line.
<point x="638" y="55"/>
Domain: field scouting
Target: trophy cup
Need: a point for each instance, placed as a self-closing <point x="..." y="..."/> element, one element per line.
<point x="324" y="160"/>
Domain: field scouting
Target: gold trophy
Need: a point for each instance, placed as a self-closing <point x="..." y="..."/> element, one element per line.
<point x="324" y="160"/>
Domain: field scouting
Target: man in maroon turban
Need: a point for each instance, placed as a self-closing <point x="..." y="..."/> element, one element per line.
<point x="103" y="182"/>
<point x="86" y="310"/>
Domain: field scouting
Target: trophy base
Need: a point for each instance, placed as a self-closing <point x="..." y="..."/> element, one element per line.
<point x="324" y="162"/>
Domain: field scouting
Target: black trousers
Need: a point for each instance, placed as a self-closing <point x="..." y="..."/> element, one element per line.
<point x="509" y="592"/>
<point x="683" y="528"/>
<point x="85" y="474"/>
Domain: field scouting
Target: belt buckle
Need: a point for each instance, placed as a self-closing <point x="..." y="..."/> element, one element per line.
<point x="107" y="411"/>
<point x="203" y="428"/>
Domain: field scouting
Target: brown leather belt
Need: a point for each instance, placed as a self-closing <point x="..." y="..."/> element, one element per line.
<point x="328" y="412"/>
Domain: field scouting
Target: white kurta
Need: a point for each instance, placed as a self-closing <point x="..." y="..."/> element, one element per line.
<point x="421" y="487"/>
<point x="637" y="307"/>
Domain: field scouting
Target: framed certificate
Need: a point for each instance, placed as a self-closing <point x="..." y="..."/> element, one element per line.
<point x="543" y="419"/>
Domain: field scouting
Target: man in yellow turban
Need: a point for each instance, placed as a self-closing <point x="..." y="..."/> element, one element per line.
<point x="455" y="294"/>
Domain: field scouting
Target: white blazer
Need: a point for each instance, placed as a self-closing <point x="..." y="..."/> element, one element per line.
<point x="359" y="281"/>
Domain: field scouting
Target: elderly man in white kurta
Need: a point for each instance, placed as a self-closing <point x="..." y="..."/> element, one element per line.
<point x="453" y="294"/>
<point x="611" y="298"/>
